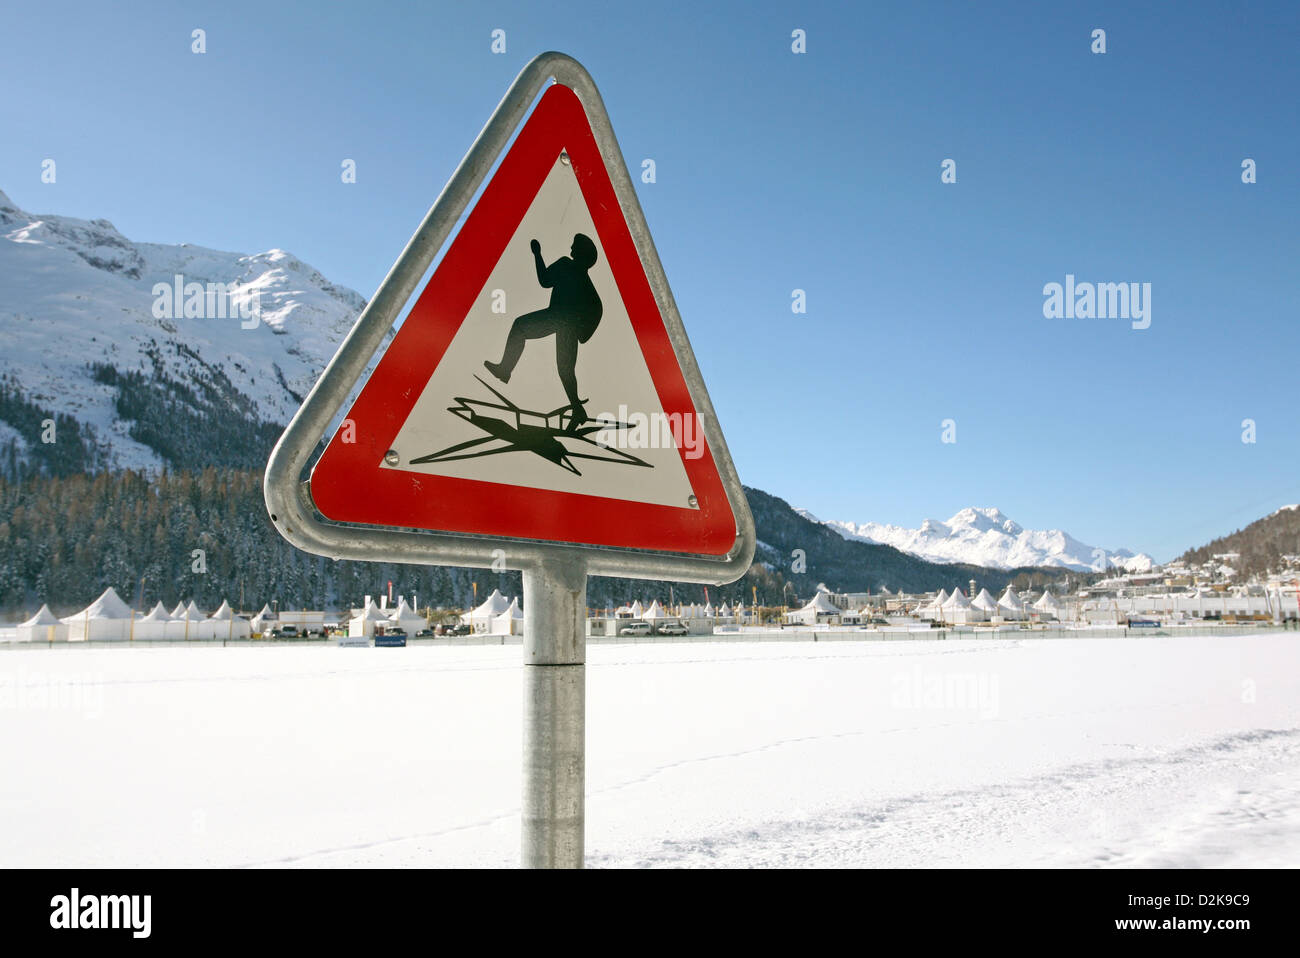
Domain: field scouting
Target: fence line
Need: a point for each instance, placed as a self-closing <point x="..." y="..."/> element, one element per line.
<point x="755" y="635"/>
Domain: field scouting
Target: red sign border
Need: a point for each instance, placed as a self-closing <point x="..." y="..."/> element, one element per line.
<point x="348" y="484"/>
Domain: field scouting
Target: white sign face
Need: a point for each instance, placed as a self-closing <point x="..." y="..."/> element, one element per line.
<point x="510" y="371"/>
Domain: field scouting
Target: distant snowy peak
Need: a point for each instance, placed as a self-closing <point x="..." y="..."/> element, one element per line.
<point x="988" y="537"/>
<point x="76" y="293"/>
<point x="978" y="520"/>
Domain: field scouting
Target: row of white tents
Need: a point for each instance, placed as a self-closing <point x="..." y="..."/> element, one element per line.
<point x="954" y="609"/>
<point x="657" y="610"/>
<point x="499" y="615"/>
<point x="109" y="619"/>
<point x="496" y="615"/>
<point x="365" y="622"/>
<point x="960" y="610"/>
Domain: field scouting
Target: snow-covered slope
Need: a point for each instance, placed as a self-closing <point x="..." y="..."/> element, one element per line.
<point x="987" y="537"/>
<point x="75" y="292"/>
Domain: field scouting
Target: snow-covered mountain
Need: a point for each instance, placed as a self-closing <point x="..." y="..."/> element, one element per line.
<point x="83" y="333"/>
<point x="987" y="537"/>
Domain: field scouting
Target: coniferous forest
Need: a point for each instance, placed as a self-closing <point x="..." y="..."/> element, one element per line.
<point x="206" y="536"/>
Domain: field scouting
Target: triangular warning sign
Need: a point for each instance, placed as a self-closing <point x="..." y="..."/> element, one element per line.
<point x="536" y="389"/>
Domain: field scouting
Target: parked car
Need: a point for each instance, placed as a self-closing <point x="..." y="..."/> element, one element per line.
<point x="461" y="629"/>
<point x="635" y="628"/>
<point x="672" y="628"/>
<point x="424" y="634"/>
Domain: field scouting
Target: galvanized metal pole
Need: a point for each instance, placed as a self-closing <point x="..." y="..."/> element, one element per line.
<point x="555" y="706"/>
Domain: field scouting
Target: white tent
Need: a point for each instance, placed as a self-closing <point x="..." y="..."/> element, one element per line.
<point x="154" y="625"/>
<point x="934" y="608"/>
<point x="407" y="619"/>
<point x="226" y="625"/>
<point x="188" y="623"/>
<point x="180" y="626"/>
<point x="44" y="626"/>
<point x="985" y="602"/>
<point x="656" y="611"/>
<point x="509" y="622"/>
<point x="480" y="619"/>
<point x="638" y="609"/>
<point x="1047" y="606"/>
<point x="960" y="611"/>
<point x="957" y="600"/>
<point x="107" y="619"/>
<point x="820" y="610"/>
<point x="362" y="625"/>
<point x="264" y="621"/>
<point x="192" y="623"/>
<point x="1010" y="605"/>
<point x="198" y="626"/>
<point x="708" y="610"/>
<point x="822" y="603"/>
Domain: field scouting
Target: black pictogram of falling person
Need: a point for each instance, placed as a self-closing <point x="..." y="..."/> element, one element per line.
<point x="572" y="317"/>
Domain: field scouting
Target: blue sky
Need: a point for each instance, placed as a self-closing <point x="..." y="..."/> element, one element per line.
<point x="779" y="171"/>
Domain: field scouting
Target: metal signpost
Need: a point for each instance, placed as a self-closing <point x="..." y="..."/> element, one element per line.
<point x="539" y="409"/>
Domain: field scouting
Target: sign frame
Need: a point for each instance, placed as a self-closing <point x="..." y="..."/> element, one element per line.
<point x="288" y="497"/>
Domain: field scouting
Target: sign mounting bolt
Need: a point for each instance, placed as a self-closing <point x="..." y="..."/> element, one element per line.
<point x="692" y="502"/>
<point x="392" y="458"/>
<point x="564" y="157"/>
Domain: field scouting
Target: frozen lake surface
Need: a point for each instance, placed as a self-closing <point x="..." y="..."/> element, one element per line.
<point x="1076" y="752"/>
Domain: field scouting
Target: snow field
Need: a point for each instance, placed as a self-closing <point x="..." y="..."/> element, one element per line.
<point x="1081" y="752"/>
